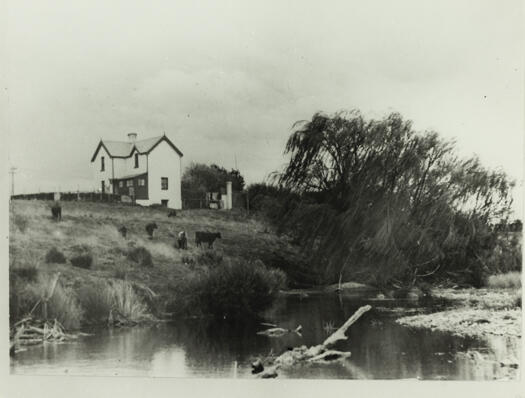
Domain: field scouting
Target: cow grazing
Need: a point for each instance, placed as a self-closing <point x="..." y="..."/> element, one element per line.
<point x="172" y="213"/>
<point x="150" y="228"/>
<point x="123" y="231"/>
<point x="182" y="240"/>
<point x="56" y="212"/>
<point x="206" y="237"/>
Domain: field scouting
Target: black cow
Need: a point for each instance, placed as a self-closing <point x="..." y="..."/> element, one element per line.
<point x="207" y="237"/>
<point x="150" y="228"/>
<point x="56" y="212"/>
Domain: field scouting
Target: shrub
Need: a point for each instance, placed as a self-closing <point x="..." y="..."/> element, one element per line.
<point x="27" y="272"/>
<point x="82" y="261"/>
<point x="55" y="256"/>
<point x="120" y="273"/>
<point x="22" y="298"/>
<point x="234" y="290"/>
<point x="126" y="301"/>
<point x="517" y="300"/>
<point x="20" y="222"/>
<point x="503" y="281"/>
<point x="95" y="301"/>
<point x="140" y="255"/>
<point x="209" y="257"/>
<point x="64" y="307"/>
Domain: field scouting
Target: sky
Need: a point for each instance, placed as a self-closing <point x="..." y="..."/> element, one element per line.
<point x="226" y="80"/>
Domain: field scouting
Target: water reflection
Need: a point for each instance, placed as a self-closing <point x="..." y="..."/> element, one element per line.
<point x="380" y="348"/>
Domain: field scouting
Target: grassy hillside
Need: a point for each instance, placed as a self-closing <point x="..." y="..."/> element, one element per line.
<point x="92" y="229"/>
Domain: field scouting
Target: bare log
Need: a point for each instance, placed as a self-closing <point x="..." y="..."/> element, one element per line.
<point x="339" y="334"/>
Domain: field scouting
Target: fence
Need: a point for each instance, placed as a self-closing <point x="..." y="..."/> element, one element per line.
<point x="68" y="196"/>
<point x="200" y="200"/>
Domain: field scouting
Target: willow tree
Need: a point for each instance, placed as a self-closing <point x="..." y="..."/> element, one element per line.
<point x="386" y="203"/>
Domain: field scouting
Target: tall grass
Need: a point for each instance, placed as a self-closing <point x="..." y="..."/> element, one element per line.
<point x="62" y="304"/>
<point x="504" y="281"/>
<point x="100" y="297"/>
<point x="126" y="301"/>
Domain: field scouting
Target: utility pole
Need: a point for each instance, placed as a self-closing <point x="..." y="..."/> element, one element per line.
<point x="12" y="171"/>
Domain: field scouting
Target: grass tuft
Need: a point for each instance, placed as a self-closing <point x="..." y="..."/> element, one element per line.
<point x="82" y="261"/>
<point x="140" y="255"/>
<point x="55" y="256"/>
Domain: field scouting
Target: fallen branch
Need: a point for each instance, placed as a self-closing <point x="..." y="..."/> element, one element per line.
<point x="319" y="353"/>
<point x="339" y="334"/>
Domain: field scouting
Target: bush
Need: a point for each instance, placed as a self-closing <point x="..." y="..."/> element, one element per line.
<point x="140" y="255"/>
<point x="234" y="290"/>
<point x="55" y="256"/>
<point x="517" y="300"/>
<point x="100" y="298"/>
<point x="126" y="302"/>
<point x="20" y="222"/>
<point x="120" y="273"/>
<point x="209" y="257"/>
<point x="64" y="307"/>
<point x="22" y="298"/>
<point x="95" y="301"/>
<point x="27" y="272"/>
<point x="82" y="261"/>
<point x="504" y="281"/>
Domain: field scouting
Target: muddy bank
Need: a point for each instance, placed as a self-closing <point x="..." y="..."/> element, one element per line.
<point x="475" y="312"/>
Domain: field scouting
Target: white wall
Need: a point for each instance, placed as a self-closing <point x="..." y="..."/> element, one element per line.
<point x="164" y="162"/>
<point x="105" y="175"/>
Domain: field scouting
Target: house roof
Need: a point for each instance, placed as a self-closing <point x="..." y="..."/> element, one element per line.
<point x="124" y="149"/>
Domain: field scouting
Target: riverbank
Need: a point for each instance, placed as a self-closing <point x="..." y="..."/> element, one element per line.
<point x="101" y="269"/>
<point x="475" y="312"/>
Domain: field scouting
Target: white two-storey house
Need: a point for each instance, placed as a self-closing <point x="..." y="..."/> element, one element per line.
<point x="146" y="171"/>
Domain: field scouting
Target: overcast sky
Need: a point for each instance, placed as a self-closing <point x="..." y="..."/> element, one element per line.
<point x="227" y="79"/>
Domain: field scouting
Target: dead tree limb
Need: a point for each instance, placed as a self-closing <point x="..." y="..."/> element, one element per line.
<point x="339" y="334"/>
<point x="319" y="353"/>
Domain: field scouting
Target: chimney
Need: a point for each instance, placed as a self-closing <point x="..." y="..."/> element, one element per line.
<point x="132" y="137"/>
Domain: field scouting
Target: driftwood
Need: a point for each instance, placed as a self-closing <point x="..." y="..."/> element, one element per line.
<point x="29" y="331"/>
<point x="320" y="353"/>
<point x="279" y="332"/>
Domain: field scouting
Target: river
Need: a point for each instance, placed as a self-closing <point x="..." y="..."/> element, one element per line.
<point x="380" y="348"/>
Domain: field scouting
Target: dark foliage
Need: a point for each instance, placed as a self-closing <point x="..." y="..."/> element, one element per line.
<point x="203" y="178"/>
<point x="377" y="202"/>
<point x="55" y="256"/>
<point x="28" y="273"/>
<point x="141" y="256"/>
<point x="209" y="258"/>
<point x="230" y="291"/>
<point x="82" y="261"/>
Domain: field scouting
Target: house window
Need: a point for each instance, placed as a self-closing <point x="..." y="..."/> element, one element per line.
<point x="129" y="183"/>
<point x="142" y="182"/>
<point x="102" y="165"/>
<point x="136" y="160"/>
<point x="164" y="183"/>
<point x="121" y="184"/>
<point x="103" y="186"/>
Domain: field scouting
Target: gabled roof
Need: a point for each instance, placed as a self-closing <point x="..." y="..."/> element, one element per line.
<point x="123" y="149"/>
